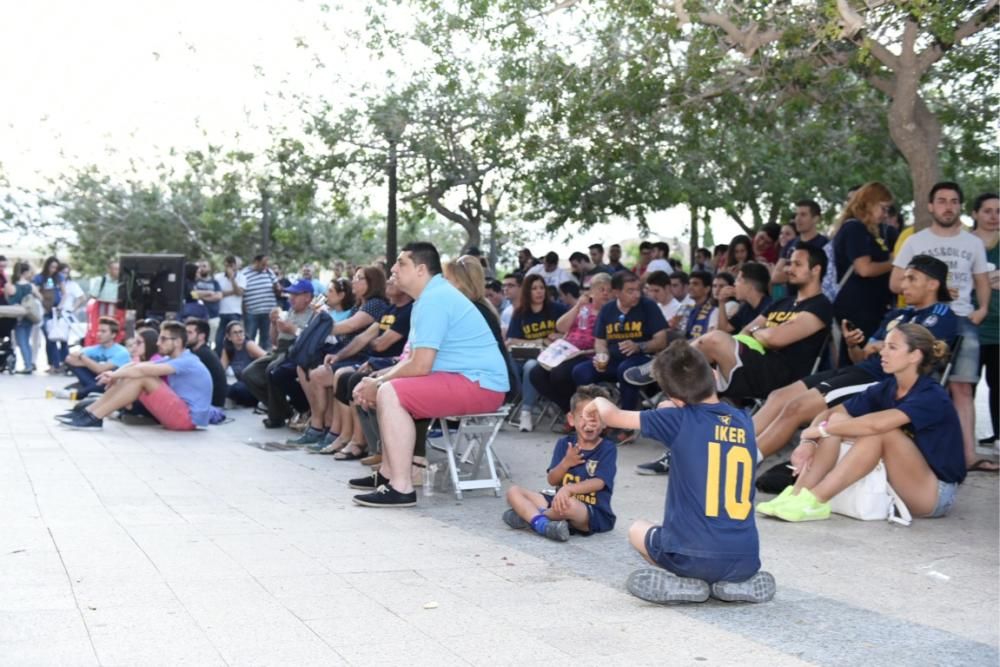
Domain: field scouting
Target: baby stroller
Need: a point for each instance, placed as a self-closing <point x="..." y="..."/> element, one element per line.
<point x="8" y="359"/>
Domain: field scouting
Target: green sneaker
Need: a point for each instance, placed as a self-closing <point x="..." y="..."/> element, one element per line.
<point x="770" y="507"/>
<point x="803" y="507"/>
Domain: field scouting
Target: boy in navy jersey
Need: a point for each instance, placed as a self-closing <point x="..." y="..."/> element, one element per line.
<point x="583" y="472"/>
<point x="708" y="542"/>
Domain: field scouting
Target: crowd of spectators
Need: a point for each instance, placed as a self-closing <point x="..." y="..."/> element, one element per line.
<point x="839" y="333"/>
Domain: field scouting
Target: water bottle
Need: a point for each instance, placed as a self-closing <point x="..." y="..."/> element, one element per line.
<point x="582" y="317"/>
<point x="430" y="473"/>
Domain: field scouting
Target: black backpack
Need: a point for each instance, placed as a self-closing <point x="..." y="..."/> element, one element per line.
<point x="307" y="350"/>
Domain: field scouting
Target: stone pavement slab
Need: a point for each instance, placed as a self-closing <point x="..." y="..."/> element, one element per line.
<point x="137" y="546"/>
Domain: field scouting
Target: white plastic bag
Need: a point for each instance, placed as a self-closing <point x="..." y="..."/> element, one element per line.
<point x="870" y="498"/>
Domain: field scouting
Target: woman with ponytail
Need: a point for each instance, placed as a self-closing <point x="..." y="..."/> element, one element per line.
<point x="906" y="420"/>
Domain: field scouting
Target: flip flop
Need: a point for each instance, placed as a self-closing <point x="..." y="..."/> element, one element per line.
<point x="344" y="455"/>
<point x="984" y="465"/>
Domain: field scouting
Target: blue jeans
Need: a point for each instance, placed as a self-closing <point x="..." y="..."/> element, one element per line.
<point x="88" y="379"/>
<point x="529" y="395"/>
<point x="22" y="334"/>
<point x="615" y="372"/>
<point x="220" y="335"/>
<point x="258" y="325"/>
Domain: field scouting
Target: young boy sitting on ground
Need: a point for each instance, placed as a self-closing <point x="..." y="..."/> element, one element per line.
<point x="583" y="472"/>
<point x="708" y="542"/>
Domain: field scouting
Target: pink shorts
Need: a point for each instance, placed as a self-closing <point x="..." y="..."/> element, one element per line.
<point x="168" y="408"/>
<point x="444" y="395"/>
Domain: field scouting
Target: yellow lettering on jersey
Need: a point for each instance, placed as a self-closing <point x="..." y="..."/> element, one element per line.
<point x="586" y="498"/>
<point x="732" y="434"/>
<point x="712" y="480"/>
<point x="738" y="508"/>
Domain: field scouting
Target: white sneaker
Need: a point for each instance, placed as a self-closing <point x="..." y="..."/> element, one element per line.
<point x="524" y="423"/>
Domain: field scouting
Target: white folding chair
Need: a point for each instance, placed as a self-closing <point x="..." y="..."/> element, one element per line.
<point x="470" y="446"/>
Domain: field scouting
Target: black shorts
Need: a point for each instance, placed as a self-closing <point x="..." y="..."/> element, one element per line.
<point x="839" y="384"/>
<point x="737" y="568"/>
<point x="756" y="375"/>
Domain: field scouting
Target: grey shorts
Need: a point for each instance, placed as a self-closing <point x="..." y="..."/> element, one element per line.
<point x="946" y="498"/>
<point x="966" y="368"/>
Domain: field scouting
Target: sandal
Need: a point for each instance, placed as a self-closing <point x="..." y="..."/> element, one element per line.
<point x="352" y="451"/>
<point x="984" y="465"/>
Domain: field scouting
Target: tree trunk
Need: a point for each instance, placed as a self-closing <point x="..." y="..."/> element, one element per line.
<point x="392" y="219"/>
<point x="694" y="236"/>
<point x="917" y="134"/>
<point x="265" y="221"/>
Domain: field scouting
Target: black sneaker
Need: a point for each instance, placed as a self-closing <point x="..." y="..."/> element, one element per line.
<point x="660" y="466"/>
<point x="640" y="376"/>
<point x="84" y="420"/>
<point x="368" y="482"/>
<point x="386" y="496"/>
<point x="512" y="519"/>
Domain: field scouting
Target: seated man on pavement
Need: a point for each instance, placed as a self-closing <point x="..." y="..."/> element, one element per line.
<point x="629" y="329"/>
<point x="455" y="367"/>
<point x="182" y="405"/>
<point x="270" y="379"/>
<point x="91" y="361"/>
<point x="338" y="431"/>
<point x="925" y="288"/>
<point x="237" y="354"/>
<point x="199" y="332"/>
<point x="781" y="344"/>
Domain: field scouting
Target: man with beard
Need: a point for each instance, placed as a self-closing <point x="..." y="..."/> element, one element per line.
<point x="965" y="256"/>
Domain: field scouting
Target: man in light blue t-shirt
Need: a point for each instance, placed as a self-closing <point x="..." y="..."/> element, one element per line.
<point x="455" y="367"/>
<point x="91" y="361"/>
<point x="176" y="390"/>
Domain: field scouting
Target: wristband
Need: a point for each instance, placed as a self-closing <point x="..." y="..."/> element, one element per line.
<point x="822" y="430"/>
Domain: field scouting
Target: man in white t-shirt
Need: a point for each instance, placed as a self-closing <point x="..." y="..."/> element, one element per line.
<point x="656" y="286"/>
<point x="661" y="258"/>
<point x="963" y="252"/>
<point x="232" y="282"/>
<point x="550" y="272"/>
<point x="681" y="302"/>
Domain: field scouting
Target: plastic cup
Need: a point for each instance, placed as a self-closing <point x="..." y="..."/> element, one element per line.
<point x="601" y="361"/>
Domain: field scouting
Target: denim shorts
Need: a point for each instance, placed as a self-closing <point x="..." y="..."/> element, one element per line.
<point x="946" y="498"/>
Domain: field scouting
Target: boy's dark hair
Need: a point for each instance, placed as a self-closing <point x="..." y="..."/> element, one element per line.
<point x="703" y="276"/>
<point x="817" y="257"/>
<point x="720" y="249"/>
<point x="551" y="257"/>
<point x="681" y="276"/>
<point x="111" y="323"/>
<point x="978" y="202"/>
<point x="570" y="287"/>
<point x="683" y="373"/>
<point x="946" y="185"/>
<point x="200" y="325"/>
<point x="703" y="252"/>
<point x="579" y="257"/>
<point x="422" y="252"/>
<point x="587" y="392"/>
<point x="175" y="329"/>
<point x="658" y="278"/>
<point x="664" y="247"/>
<point x="645" y="245"/>
<point x="621" y="277"/>
<point x="725" y="276"/>
<point x="596" y="246"/>
<point x="811" y="205"/>
<point x="757" y="275"/>
<point x="493" y="285"/>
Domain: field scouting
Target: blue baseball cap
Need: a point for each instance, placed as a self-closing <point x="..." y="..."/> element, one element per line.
<point x="301" y="287"/>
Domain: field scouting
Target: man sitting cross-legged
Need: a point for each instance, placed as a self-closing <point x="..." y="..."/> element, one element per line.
<point x="182" y="405"/>
<point x="455" y="367"/>
<point x="925" y="288"/>
<point x="91" y="361"/>
<point x="780" y="345"/>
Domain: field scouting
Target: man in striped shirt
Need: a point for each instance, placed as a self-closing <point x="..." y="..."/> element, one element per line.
<point x="259" y="299"/>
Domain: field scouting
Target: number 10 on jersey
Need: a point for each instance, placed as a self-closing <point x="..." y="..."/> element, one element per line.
<point x="738" y="478"/>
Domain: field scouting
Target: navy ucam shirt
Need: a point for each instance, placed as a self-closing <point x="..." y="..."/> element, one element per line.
<point x="638" y="324"/>
<point x="713" y="456"/>
<point x="601" y="462"/>
<point x="939" y="320"/>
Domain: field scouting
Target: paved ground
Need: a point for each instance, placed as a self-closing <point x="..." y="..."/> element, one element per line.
<point x="138" y="547"/>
